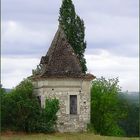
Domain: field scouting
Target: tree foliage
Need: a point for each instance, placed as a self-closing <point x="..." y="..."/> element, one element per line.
<point x="106" y="107"/>
<point x="21" y="111"/>
<point x="20" y="107"/>
<point x="74" y="29"/>
<point x="132" y="121"/>
<point x="48" y="117"/>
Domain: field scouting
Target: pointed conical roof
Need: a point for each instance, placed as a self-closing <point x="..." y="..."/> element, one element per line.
<point x="60" y="60"/>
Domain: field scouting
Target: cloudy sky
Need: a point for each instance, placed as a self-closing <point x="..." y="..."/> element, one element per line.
<point x="28" y="27"/>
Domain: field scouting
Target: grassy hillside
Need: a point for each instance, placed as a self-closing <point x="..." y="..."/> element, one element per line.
<point x="75" y="136"/>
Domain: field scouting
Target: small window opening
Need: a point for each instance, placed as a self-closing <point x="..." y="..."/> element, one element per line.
<point x="39" y="100"/>
<point x="73" y="104"/>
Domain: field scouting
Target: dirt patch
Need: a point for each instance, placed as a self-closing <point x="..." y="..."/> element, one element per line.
<point x="11" y="133"/>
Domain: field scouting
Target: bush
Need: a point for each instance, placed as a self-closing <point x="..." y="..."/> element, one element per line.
<point x="21" y="111"/>
<point x="20" y="107"/>
<point x="106" y="107"/>
<point x="48" y="117"/>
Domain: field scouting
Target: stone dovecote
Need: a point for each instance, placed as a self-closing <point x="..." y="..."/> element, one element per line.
<point x="59" y="76"/>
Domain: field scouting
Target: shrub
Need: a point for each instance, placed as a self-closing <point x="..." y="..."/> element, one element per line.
<point x="106" y="107"/>
<point x="48" y="117"/>
<point x="21" y="111"/>
<point x="20" y="107"/>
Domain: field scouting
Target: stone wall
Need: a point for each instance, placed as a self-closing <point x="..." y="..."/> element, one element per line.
<point x="62" y="89"/>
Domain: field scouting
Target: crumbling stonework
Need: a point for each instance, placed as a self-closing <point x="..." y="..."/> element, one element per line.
<point x="62" y="89"/>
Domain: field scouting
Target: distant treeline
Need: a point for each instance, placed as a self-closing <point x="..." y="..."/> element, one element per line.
<point x="132" y="121"/>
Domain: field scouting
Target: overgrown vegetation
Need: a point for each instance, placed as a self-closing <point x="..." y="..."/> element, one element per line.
<point x="111" y="114"/>
<point x="20" y="110"/>
<point x="106" y="108"/>
<point x="74" y="29"/>
<point x="132" y="121"/>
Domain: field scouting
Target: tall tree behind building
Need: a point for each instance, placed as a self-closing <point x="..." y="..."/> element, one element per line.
<point x="74" y="29"/>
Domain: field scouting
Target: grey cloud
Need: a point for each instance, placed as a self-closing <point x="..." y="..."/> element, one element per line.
<point x="115" y="34"/>
<point x="126" y="50"/>
<point x="30" y="10"/>
<point x="14" y="69"/>
<point x="26" y="39"/>
<point x="109" y="7"/>
<point x="111" y="66"/>
<point x="24" y="50"/>
<point x="39" y="10"/>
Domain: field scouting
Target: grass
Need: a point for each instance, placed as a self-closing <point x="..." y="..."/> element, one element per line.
<point x="60" y="136"/>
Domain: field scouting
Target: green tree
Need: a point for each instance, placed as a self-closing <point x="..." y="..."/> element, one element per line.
<point x="106" y="107"/>
<point x="20" y="110"/>
<point x="132" y="121"/>
<point x="2" y="93"/>
<point x="74" y="29"/>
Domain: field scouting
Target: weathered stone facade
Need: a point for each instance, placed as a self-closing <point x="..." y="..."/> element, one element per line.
<point x="62" y="89"/>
